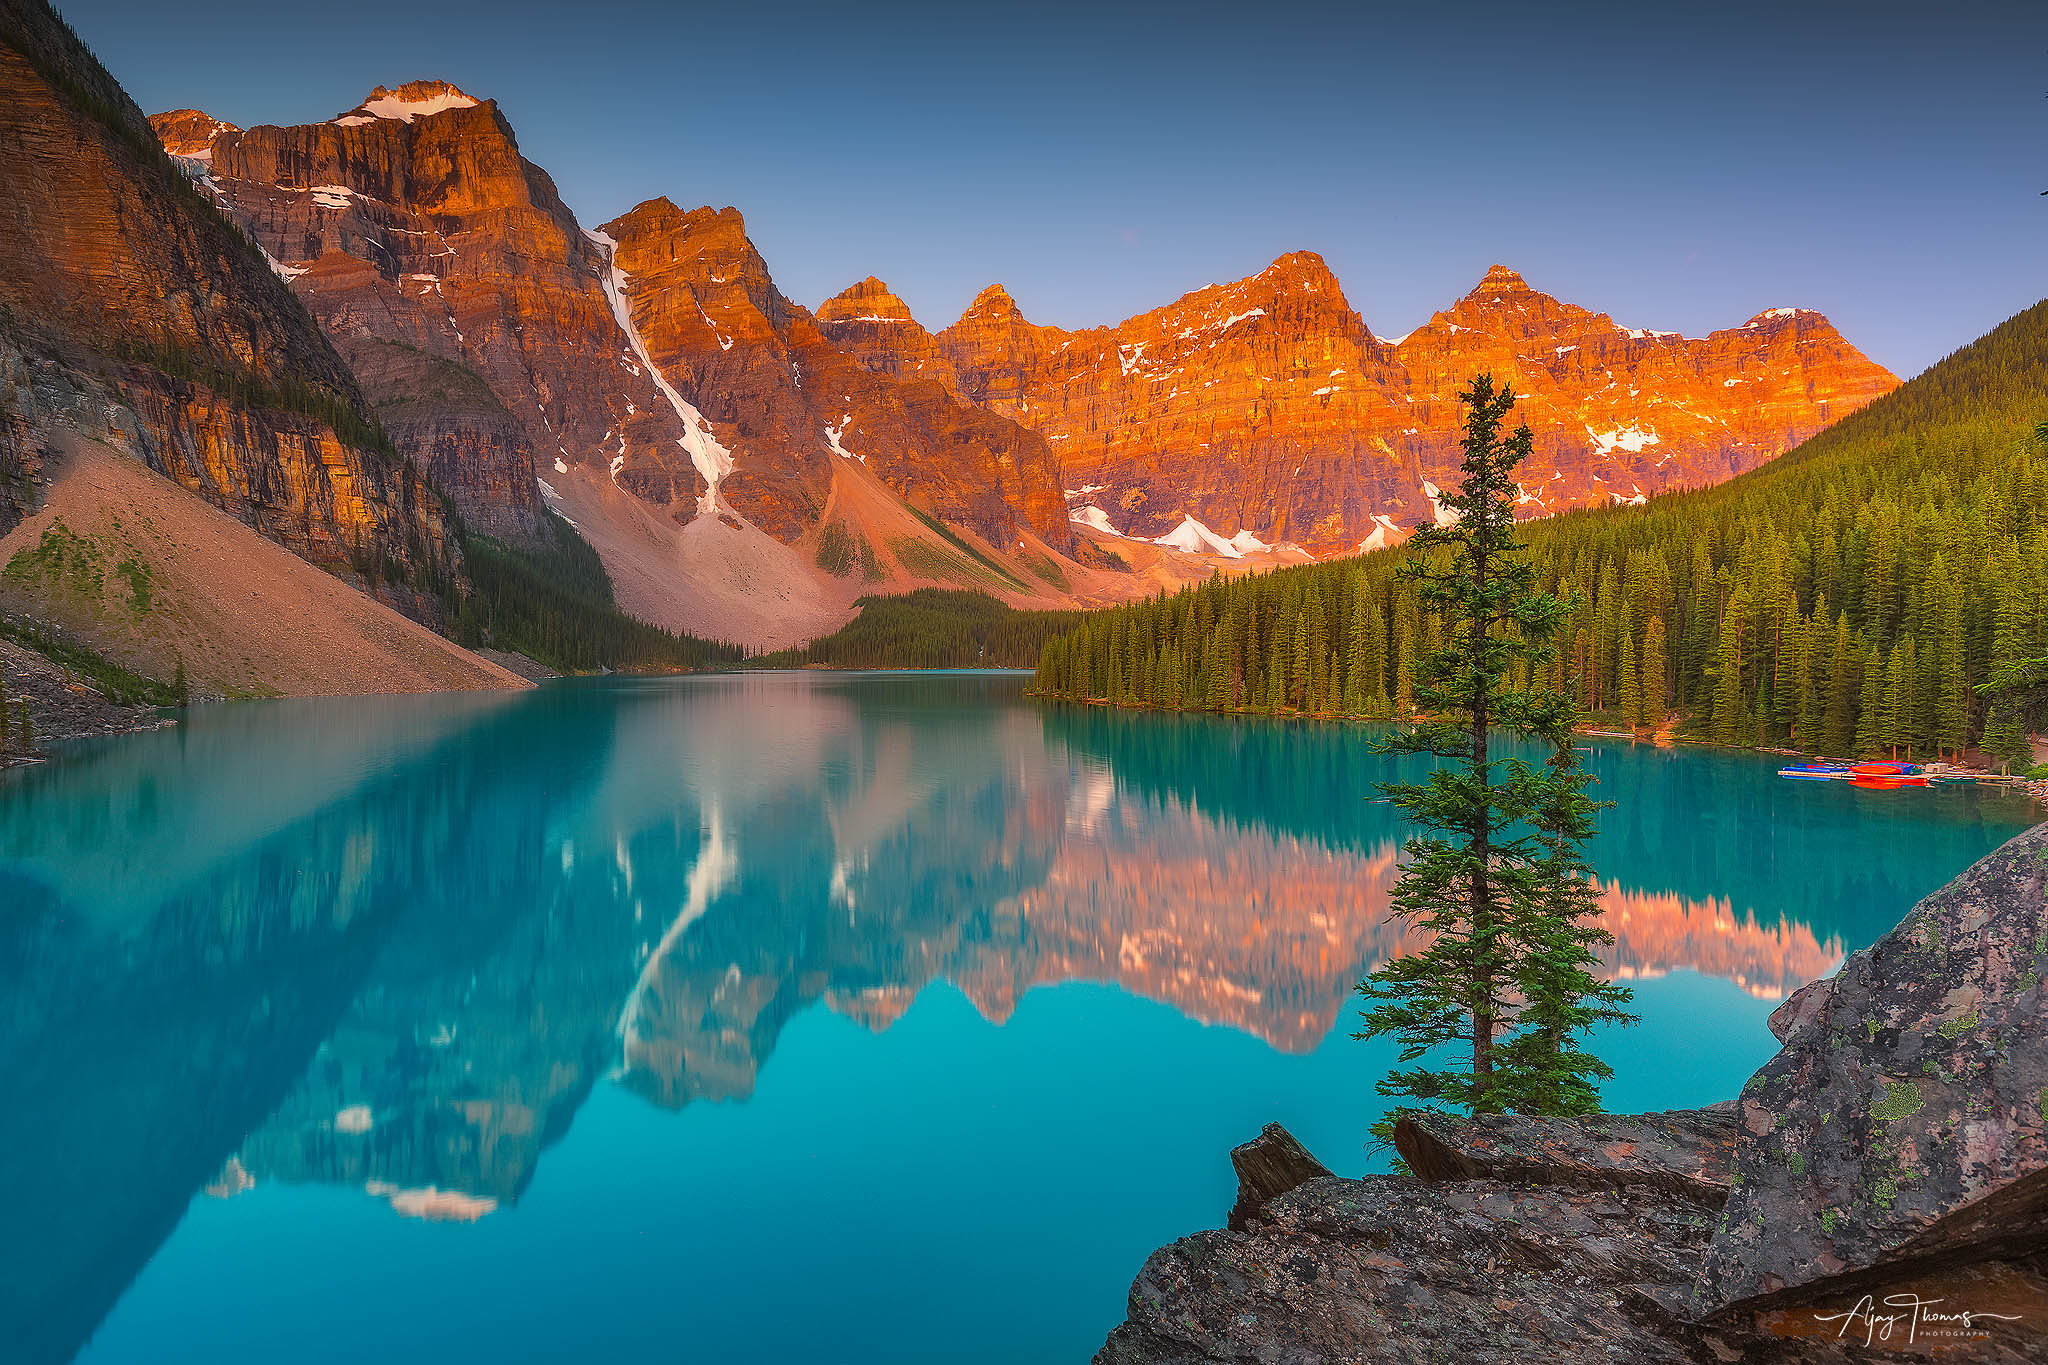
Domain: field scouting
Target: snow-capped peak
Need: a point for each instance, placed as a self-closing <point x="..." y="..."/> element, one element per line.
<point x="414" y="99"/>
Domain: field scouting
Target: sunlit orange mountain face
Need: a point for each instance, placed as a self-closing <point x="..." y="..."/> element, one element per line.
<point x="723" y="446"/>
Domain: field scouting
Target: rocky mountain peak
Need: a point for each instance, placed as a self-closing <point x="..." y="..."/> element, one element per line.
<point x="993" y="302"/>
<point x="708" y="229"/>
<point x="189" y="132"/>
<point x="1779" y="317"/>
<point x="1302" y="268"/>
<point x="414" y="99"/>
<point x="1501" y="280"/>
<point x="707" y="250"/>
<point x="1273" y="382"/>
<point x="869" y="301"/>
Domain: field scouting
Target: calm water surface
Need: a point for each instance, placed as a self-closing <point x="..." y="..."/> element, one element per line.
<point x="838" y="1018"/>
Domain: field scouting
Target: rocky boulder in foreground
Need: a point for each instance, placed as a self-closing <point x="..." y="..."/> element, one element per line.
<point x="1880" y="1191"/>
<point x="1902" y="1124"/>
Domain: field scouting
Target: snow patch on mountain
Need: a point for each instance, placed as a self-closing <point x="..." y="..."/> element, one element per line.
<point x="1385" y="531"/>
<point x="389" y="104"/>
<point x="1091" y="515"/>
<point x="1631" y="439"/>
<point x="712" y="460"/>
<point x="1194" y="538"/>
<point x="1442" y="515"/>
<point x="832" y="435"/>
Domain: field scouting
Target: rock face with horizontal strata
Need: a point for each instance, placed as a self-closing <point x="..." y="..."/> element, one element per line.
<point x="129" y="311"/>
<point x="1267" y="405"/>
<point x="442" y="262"/>
<point x="788" y="402"/>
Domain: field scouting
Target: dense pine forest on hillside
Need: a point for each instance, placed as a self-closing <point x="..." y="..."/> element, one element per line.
<point x="931" y="628"/>
<point x="1848" y="598"/>
<point x="556" y="607"/>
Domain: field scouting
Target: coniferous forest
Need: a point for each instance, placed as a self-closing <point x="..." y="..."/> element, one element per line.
<point x="556" y="607"/>
<point x="1849" y="598"/>
<point x="930" y="628"/>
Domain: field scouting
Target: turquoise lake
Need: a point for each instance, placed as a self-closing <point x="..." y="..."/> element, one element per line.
<point x="850" y="1018"/>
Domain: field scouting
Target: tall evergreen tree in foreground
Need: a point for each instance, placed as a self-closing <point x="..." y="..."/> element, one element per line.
<point x="1494" y="1007"/>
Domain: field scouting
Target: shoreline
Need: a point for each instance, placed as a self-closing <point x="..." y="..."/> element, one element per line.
<point x="1665" y="736"/>
<point x="62" y="707"/>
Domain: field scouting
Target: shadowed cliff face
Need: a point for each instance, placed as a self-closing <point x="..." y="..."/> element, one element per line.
<point x="130" y="311"/>
<point x="1268" y="406"/>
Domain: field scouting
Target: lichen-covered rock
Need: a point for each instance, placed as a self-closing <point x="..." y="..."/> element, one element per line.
<point x="1267" y="1167"/>
<point x="1901" y="1128"/>
<point x="1392" y="1271"/>
<point x="1685" y="1152"/>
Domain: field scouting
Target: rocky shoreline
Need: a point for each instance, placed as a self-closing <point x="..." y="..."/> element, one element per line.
<point x="1878" y="1191"/>
<point x="62" y="706"/>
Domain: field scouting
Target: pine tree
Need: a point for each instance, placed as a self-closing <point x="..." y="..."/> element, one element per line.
<point x="1874" y="720"/>
<point x="1813" y="692"/>
<point x="1653" y="672"/>
<point x="2018" y="694"/>
<point x="1276" y="673"/>
<point x="1491" y="882"/>
<point x="1728" y="679"/>
<point x="1357" y="656"/>
<point x="1631" y="684"/>
<point x="1952" y="687"/>
<point x="1838" y="723"/>
<point x="1544" y="1067"/>
<point x="1905" y="705"/>
<point x="1405" y="633"/>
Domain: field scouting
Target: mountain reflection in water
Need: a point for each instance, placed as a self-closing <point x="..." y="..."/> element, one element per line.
<point x="395" y="944"/>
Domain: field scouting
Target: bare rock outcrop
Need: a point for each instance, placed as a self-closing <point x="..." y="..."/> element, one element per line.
<point x="1267" y="1167"/>
<point x="452" y="278"/>
<point x="1686" y="1152"/>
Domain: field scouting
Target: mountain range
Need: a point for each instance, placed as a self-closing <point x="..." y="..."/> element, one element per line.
<point x="375" y="338"/>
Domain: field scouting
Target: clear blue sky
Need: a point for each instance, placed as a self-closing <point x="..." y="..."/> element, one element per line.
<point x="1680" y="167"/>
